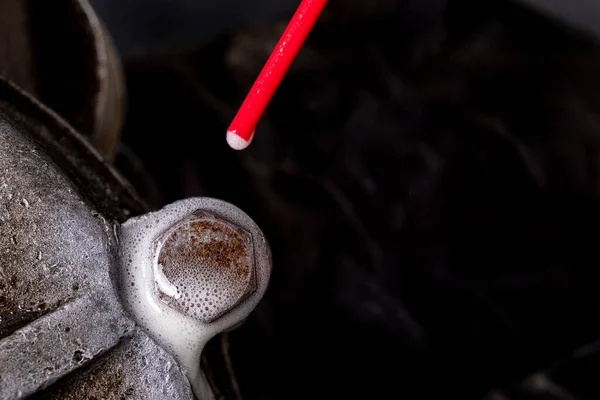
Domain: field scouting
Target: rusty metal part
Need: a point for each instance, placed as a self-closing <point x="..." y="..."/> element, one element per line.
<point x="204" y="275"/>
<point x="205" y="250"/>
<point x="63" y="331"/>
<point x="57" y="253"/>
<point x="134" y="369"/>
<point x="58" y="308"/>
<point x="60" y="52"/>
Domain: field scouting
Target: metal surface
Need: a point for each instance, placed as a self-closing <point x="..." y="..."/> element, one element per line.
<point x="82" y="164"/>
<point x="134" y="369"/>
<point x="109" y="99"/>
<point x="58" y="307"/>
<point x="63" y="333"/>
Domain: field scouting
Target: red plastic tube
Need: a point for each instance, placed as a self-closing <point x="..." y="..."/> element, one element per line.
<point x="241" y="130"/>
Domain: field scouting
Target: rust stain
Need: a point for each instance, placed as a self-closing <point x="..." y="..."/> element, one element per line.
<point x="225" y="249"/>
<point x="185" y="246"/>
<point x="210" y="262"/>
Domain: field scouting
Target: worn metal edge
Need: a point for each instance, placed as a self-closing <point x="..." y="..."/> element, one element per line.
<point x="99" y="182"/>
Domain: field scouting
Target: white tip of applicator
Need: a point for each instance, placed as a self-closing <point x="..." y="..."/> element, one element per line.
<point x="236" y="142"/>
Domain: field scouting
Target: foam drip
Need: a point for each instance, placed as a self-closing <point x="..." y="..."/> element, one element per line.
<point x="173" y="298"/>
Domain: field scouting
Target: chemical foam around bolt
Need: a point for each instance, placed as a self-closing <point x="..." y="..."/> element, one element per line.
<point x="143" y="283"/>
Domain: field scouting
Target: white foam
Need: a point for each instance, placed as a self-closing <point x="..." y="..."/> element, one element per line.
<point x="163" y="283"/>
<point x="182" y="335"/>
<point x="236" y="142"/>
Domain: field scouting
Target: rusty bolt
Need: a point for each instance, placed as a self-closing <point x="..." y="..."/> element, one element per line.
<point x="204" y="266"/>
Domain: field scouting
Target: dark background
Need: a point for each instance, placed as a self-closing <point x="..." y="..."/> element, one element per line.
<point x="138" y="26"/>
<point x="428" y="176"/>
<point x="141" y="25"/>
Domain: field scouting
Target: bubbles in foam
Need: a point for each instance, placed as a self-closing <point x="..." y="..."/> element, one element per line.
<point x="181" y="271"/>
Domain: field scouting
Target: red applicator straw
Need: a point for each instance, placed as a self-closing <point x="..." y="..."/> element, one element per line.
<point x="241" y="130"/>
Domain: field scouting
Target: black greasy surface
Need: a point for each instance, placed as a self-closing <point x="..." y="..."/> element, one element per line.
<point x="428" y="178"/>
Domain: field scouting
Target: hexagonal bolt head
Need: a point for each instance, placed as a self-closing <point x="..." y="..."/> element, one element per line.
<point x="204" y="266"/>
